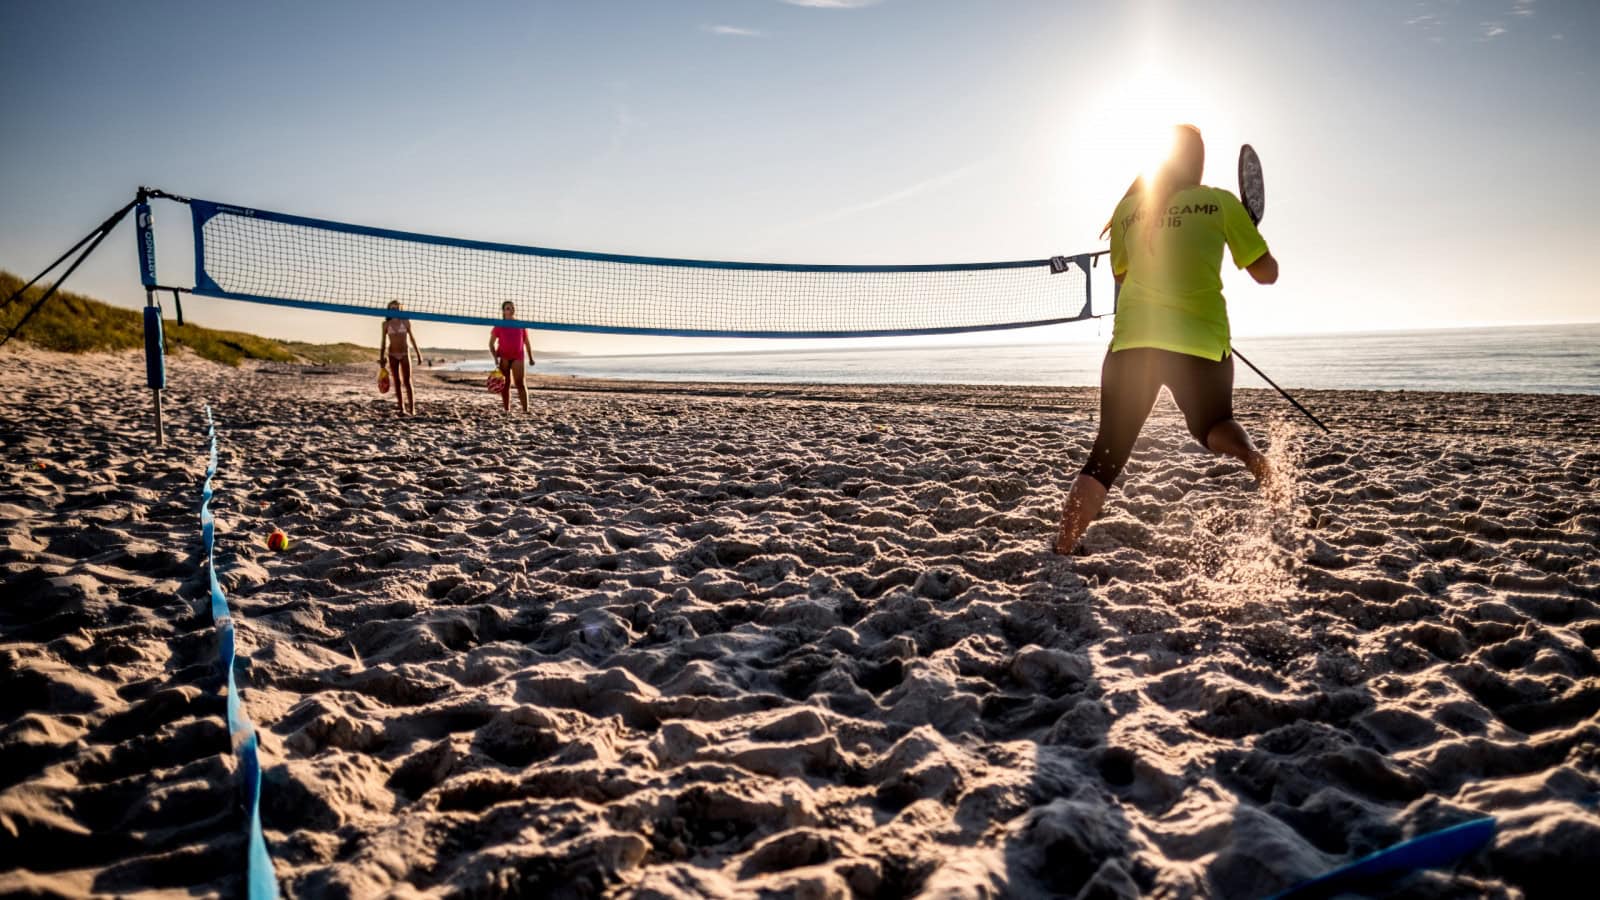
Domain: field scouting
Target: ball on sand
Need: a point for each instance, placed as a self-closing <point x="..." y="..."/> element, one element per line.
<point x="278" y="541"/>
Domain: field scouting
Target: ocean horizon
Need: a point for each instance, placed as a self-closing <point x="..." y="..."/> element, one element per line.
<point x="1540" y="359"/>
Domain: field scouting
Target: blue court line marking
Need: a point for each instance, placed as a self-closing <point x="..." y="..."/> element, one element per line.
<point x="1429" y="851"/>
<point x="260" y="881"/>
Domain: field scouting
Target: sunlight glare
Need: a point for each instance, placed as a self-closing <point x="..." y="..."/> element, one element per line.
<point x="1126" y="129"/>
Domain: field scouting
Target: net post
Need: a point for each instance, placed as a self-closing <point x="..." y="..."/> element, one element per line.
<point x="1085" y="262"/>
<point x="155" y="363"/>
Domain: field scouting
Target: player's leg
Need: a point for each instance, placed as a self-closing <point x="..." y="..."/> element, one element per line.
<point x="405" y="382"/>
<point x="522" y="387"/>
<point x="395" y="383"/>
<point x="1127" y="391"/>
<point x="1203" y="390"/>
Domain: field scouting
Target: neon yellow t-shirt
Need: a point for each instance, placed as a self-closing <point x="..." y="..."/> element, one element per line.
<point x="1172" y="296"/>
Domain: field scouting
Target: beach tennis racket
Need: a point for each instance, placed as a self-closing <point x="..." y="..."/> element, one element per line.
<point x="383" y="380"/>
<point x="1252" y="191"/>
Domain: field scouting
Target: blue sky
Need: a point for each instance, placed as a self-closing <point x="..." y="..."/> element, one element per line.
<point x="1429" y="162"/>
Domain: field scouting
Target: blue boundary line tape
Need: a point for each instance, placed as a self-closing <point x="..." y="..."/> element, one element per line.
<point x="1429" y="851"/>
<point x="260" y="881"/>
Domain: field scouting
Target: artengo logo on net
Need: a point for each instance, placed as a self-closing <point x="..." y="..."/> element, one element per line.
<point x="147" y="245"/>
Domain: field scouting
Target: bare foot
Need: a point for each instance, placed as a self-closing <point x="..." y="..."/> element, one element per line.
<point x="1083" y="504"/>
<point x="1063" y="543"/>
<point x="1262" y="469"/>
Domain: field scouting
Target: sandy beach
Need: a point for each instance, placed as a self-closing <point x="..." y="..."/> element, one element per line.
<point x="674" y="641"/>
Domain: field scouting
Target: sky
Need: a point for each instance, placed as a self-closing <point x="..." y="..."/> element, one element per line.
<point x="1428" y="162"/>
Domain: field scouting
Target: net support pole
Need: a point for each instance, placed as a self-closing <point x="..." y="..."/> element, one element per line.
<point x="155" y="359"/>
<point x="154" y="362"/>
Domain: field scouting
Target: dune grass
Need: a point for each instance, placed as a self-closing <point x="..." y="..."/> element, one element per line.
<point x="73" y="323"/>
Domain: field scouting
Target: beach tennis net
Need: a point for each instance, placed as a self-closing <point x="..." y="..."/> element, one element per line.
<point x="267" y="257"/>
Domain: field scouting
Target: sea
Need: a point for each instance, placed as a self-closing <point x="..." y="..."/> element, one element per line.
<point x="1546" y="359"/>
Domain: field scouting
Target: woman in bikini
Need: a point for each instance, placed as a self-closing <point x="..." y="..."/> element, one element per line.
<point x="510" y="346"/>
<point x="1171" y="329"/>
<point x="392" y="347"/>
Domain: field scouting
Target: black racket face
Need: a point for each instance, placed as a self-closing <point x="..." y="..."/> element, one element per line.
<point x="1252" y="191"/>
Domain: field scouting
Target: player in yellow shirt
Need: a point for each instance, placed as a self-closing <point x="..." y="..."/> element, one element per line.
<point x="1171" y="327"/>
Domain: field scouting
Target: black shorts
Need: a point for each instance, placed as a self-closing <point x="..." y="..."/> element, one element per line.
<point x="1129" y="383"/>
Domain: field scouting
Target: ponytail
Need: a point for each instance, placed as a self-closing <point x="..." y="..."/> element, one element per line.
<point x="1136" y="187"/>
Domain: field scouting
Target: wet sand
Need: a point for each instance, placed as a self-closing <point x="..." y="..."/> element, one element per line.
<point x="787" y="640"/>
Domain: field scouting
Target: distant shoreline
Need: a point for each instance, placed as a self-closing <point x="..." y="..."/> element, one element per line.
<point x="1319" y="335"/>
<point x="1532" y="360"/>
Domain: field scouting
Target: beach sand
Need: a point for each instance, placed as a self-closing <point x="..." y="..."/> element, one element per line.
<point x="787" y="641"/>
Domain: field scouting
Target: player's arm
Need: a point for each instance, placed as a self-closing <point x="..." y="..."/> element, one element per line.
<point x="527" y="348"/>
<point x="1245" y="241"/>
<point x="1265" y="269"/>
<point x="383" y="341"/>
<point x="414" y="348"/>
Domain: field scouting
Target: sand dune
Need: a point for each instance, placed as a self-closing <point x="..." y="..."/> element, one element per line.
<point x="752" y="641"/>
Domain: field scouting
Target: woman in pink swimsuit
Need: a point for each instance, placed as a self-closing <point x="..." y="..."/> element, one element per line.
<point x="511" y="347"/>
<point x="392" y="347"/>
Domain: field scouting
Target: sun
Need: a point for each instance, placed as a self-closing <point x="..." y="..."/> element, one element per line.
<point x="1125" y="129"/>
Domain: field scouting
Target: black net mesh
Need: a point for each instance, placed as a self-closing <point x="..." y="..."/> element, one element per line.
<point x="255" y="255"/>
